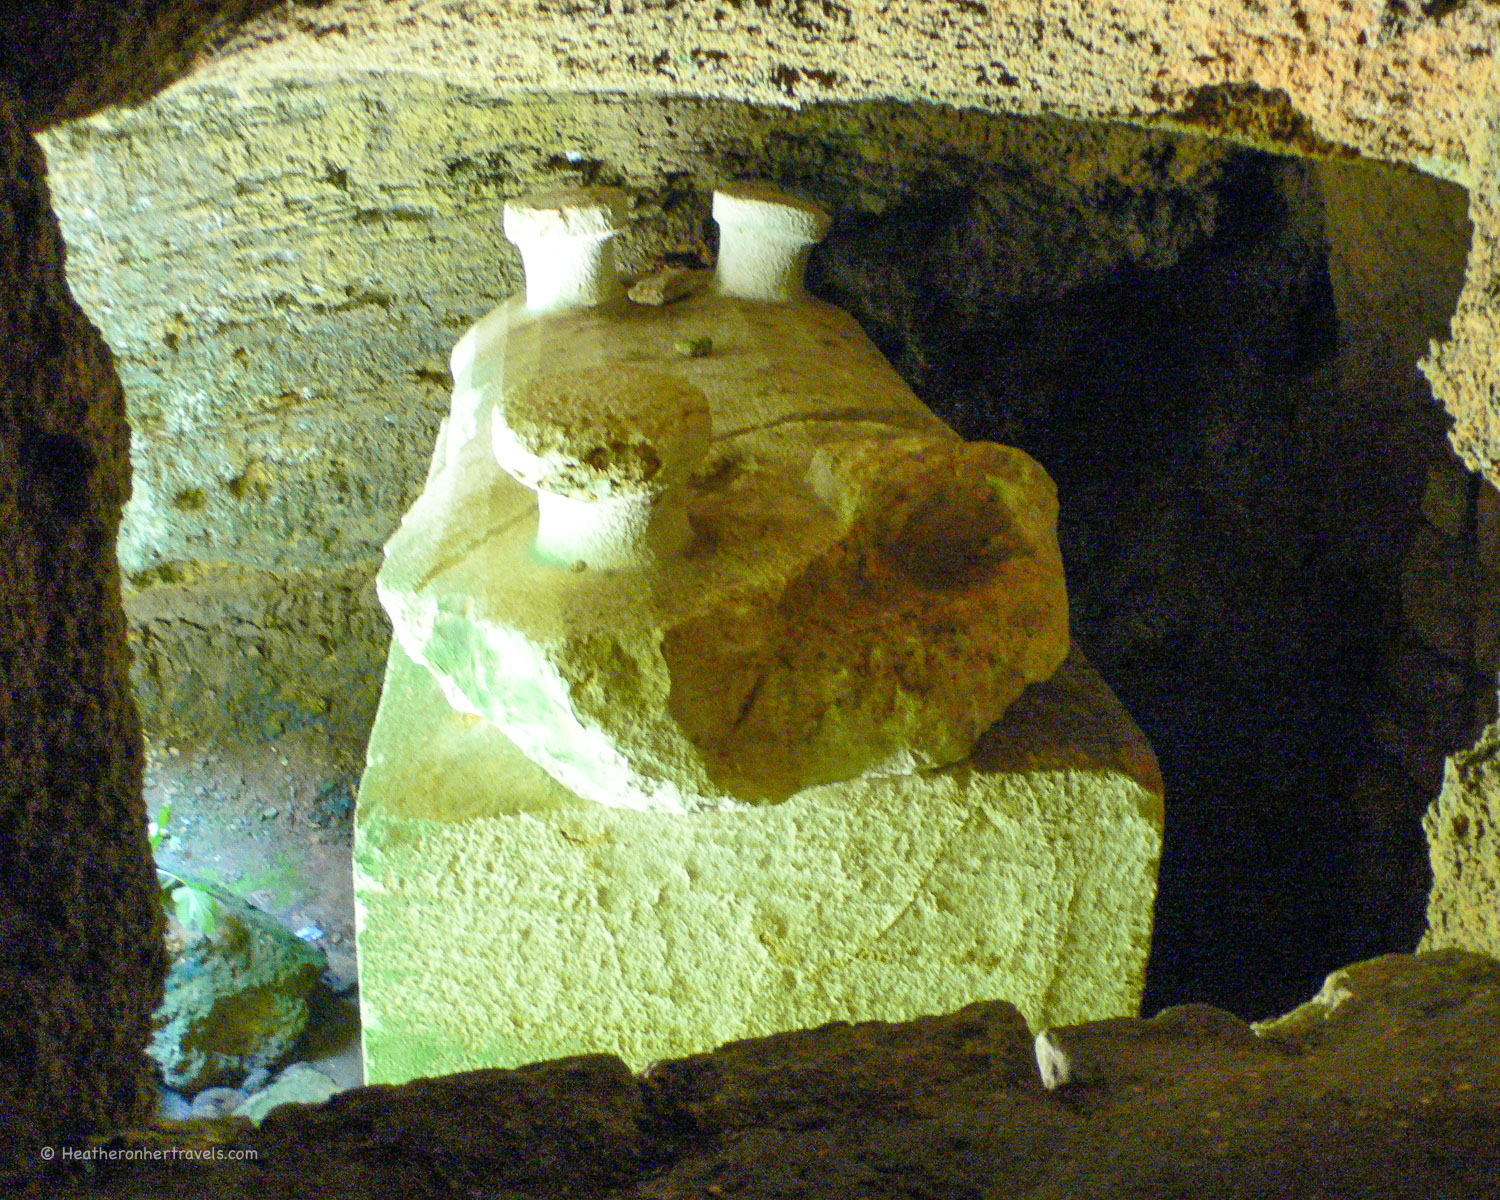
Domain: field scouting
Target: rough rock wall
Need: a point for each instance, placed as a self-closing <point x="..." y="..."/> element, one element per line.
<point x="1385" y="1084"/>
<point x="80" y="927"/>
<point x="1463" y="828"/>
<point x="1386" y="79"/>
<point x="1398" y="243"/>
<point x="1244" y="450"/>
<point x="1465" y="369"/>
<point x="65" y="58"/>
<point x="282" y="270"/>
<point x="1391" y="80"/>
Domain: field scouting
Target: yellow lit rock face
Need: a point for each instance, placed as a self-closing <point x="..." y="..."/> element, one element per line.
<point x="893" y="648"/>
<point x="751" y="716"/>
<point x="503" y="920"/>
<point x="1464" y="907"/>
<point x="860" y="593"/>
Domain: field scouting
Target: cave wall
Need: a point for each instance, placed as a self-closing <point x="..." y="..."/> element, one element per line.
<point x="1213" y="350"/>
<point x="1248" y="459"/>
<point x="283" y="269"/>
<point x="81" y="957"/>
<point x="1388" y="80"/>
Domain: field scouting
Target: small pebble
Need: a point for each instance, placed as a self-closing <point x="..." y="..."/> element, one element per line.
<point x="269" y="813"/>
<point x="256" y="1080"/>
<point x="672" y="283"/>
<point x="695" y="347"/>
<point x="309" y="933"/>
<point x="217" y="1101"/>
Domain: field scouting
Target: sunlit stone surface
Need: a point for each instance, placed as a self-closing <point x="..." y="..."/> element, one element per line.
<point x="688" y="737"/>
<point x="833" y="587"/>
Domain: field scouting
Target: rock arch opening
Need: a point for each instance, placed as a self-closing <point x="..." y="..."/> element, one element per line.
<point x="1272" y="555"/>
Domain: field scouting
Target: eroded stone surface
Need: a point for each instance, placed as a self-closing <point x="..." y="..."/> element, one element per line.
<point x="607" y="451"/>
<point x="895" y="647"/>
<point x="236" y="1000"/>
<point x="250" y="459"/>
<point x="847" y="597"/>
<point x="80" y="919"/>
<point x="573" y="927"/>
<point x="1463" y="835"/>
<point x="1393" y="1093"/>
<point x="1129" y="1053"/>
<point x="1392" y="83"/>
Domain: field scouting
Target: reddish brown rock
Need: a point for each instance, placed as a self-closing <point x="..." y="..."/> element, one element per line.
<point x="81" y="956"/>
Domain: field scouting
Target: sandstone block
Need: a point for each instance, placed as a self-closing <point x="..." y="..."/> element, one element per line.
<point x="712" y="737"/>
<point x="568" y="927"/>
<point x="839" y="589"/>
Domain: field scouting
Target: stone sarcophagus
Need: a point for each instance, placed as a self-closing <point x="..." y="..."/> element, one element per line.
<point x="730" y="690"/>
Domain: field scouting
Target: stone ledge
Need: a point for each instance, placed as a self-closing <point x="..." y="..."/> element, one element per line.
<point x="1392" y="1094"/>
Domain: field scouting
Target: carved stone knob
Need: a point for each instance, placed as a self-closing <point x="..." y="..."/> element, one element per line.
<point x="764" y="239"/>
<point x="565" y="242"/>
<point x="603" y="448"/>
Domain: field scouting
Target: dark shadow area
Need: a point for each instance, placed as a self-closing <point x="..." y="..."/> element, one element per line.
<point x="1236" y="527"/>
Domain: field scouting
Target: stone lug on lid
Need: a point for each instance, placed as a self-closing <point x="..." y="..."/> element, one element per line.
<point x="565" y="238"/>
<point x="764" y="240"/>
<point x="603" y="448"/>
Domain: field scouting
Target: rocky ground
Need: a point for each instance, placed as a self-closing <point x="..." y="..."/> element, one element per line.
<point x="270" y="825"/>
<point x="1386" y="1085"/>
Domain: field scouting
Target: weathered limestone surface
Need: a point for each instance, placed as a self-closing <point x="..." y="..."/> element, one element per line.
<point x="81" y="958"/>
<point x="860" y="592"/>
<point x="856" y="596"/>
<point x="1463" y="833"/>
<point x="1385" y="1085"/>
<point x="286" y="379"/>
<point x="1465" y="368"/>
<point x="1386" y="81"/>
<point x="225" y="652"/>
<point x="1399" y="81"/>
<point x="569" y="927"/>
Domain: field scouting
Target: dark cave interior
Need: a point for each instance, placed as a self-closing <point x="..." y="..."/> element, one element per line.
<point x="1237" y="522"/>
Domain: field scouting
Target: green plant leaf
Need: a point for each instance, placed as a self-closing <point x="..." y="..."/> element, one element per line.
<point x="156" y="830"/>
<point x="195" y="909"/>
